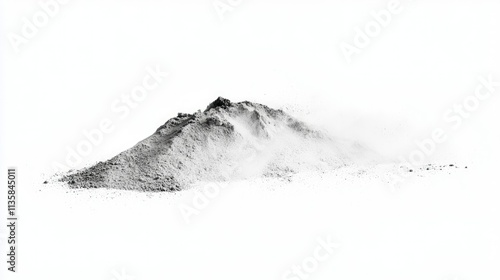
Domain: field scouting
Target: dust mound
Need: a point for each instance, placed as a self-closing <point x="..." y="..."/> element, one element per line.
<point x="226" y="141"/>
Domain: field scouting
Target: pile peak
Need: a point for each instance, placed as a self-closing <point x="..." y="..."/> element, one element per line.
<point x="219" y="102"/>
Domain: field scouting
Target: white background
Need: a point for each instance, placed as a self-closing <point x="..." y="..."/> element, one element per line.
<point x="285" y="54"/>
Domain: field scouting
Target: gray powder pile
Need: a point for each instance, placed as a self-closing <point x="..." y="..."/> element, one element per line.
<point x="226" y="141"/>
